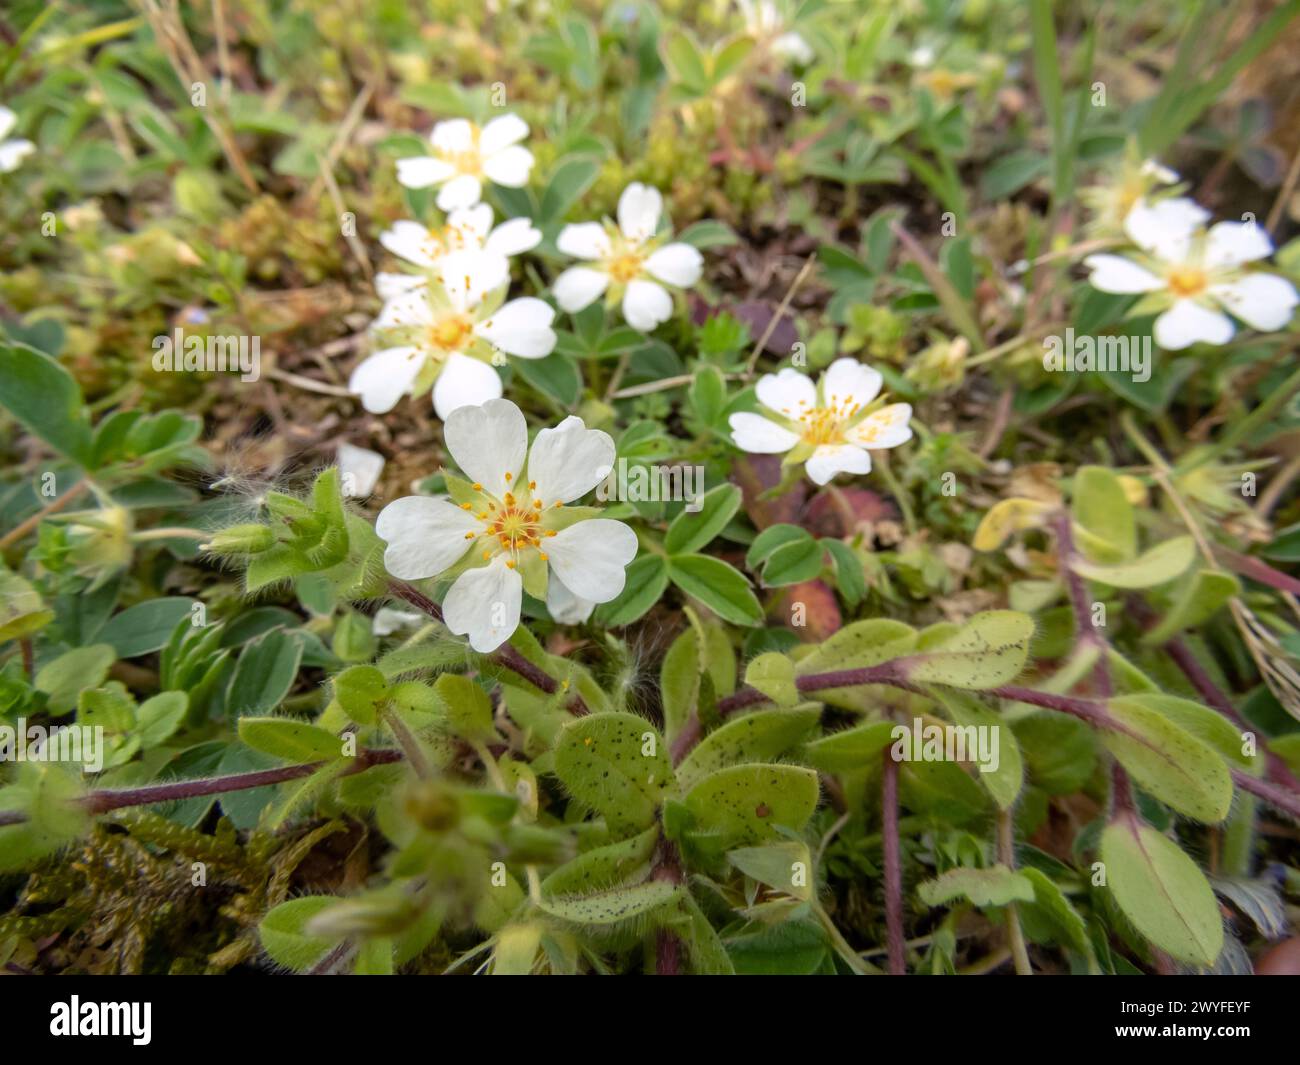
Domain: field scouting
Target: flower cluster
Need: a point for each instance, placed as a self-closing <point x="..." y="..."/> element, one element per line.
<point x="1197" y="278"/>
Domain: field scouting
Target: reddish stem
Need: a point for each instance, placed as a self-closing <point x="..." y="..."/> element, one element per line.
<point x="893" y="865"/>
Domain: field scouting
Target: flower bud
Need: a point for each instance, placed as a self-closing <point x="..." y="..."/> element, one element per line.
<point x="241" y="540"/>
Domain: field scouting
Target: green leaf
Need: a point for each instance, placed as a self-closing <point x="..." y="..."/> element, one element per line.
<point x="469" y="710"/>
<point x="770" y="539"/>
<point x="556" y="376"/>
<point x="791" y="948"/>
<point x="45" y="399"/>
<point x="719" y="586"/>
<point x="685" y="61"/>
<point x="708" y="233"/>
<point x="860" y="646"/>
<point x="361" y="691"/>
<point x="294" y="741"/>
<point x="1162" y="892"/>
<point x="1103" y="509"/>
<point x="850" y="749"/>
<point x="989" y="649"/>
<point x="617" y="764"/>
<point x="571" y="179"/>
<point x="773" y="675"/>
<point x="145" y="627"/>
<point x="757" y="737"/>
<point x="785" y="866"/>
<point x="746" y="803"/>
<point x="997" y="886"/>
<point x="1003" y="781"/>
<point x="679" y="682"/>
<point x="1202" y="722"/>
<point x="1161" y="564"/>
<point x="264" y="673"/>
<point x="72" y="672"/>
<point x="1055" y="910"/>
<point x="793" y="563"/>
<point x="850" y="576"/>
<point x="647" y="578"/>
<point x="612" y="906"/>
<point x="21" y="610"/>
<point x="1180" y="770"/>
<point x="604" y="866"/>
<point x="690" y="532"/>
<point x="159" y="717"/>
<point x="283" y="937"/>
<point x="1197" y="601"/>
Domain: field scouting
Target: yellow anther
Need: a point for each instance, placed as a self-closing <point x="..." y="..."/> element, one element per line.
<point x="477" y="487"/>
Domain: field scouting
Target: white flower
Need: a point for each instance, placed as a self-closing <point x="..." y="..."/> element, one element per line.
<point x="1196" y="275"/>
<point x="464" y="156"/>
<point x="827" y="426"/>
<point x="509" y="531"/>
<point x="628" y="261"/>
<point x="763" y="21"/>
<point x="15" y="151"/>
<point x="1125" y="184"/>
<point x="388" y="621"/>
<point x="466" y="229"/>
<point x="447" y="333"/>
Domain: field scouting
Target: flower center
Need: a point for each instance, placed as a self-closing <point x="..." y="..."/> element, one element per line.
<point x="450" y="332"/>
<point x="625" y="267"/>
<point x="823" y="425"/>
<point x="467" y="161"/>
<point x="511" y="525"/>
<point x="1186" y="281"/>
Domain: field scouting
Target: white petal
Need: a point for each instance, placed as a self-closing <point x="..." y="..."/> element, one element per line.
<point x="390" y="286"/>
<point x="759" y="435"/>
<point x="1234" y="243"/>
<point x="1187" y="322"/>
<point x="1114" y="273"/>
<point x="639" y="209"/>
<point x="488" y="442"/>
<point x="409" y="308"/>
<point x="509" y="167"/>
<point x="425" y="535"/>
<point x="484" y="605"/>
<point x="470" y="275"/>
<point x="884" y="428"/>
<point x="359" y="469"/>
<point x="12" y="153"/>
<point x="592" y="556"/>
<point x="464" y="382"/>
<point x="569" y="461"/>
<point x="848" y="383"/>
<point x="793" y="47"/>
<point x="676" y="264"/>
<point x="645" y="305"/>
<point x="564" y="607"/>
<point x="387" y="620"/>
<point x="453" y="136"/>
<point x="411" y="241"/>
<point x="522" y="327"/>
<point x="1165" y="228"/>
<point x="470" y="224"/>
<point x="7" y="121"/>
<point x="421" y="171"/>
<point x="1161" y="173"/>
<point x="830" y="459"/>
<point x="386" y="377"/>
<point x="464" y="190"/>
<point x="584" y="240"/>
<point x="787" y="392"/>
<point x="578" y="287"/>
<point x="513" y="237"/>
<point x="1263" y="301"/>
<point x="501" y="133"/>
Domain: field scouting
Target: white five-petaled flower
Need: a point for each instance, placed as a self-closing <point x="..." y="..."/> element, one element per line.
<point x="466" y="229"/>
<point x="464" y="156"/>
<point x="509" y="530"/>
<point x="764" y="21"/>
<point x="447" y="333"/>
<point x="12" y="152"/>
<point x="828" y="425"/>
<point x="628" y="262"/>
<point x="1196" y="275"/>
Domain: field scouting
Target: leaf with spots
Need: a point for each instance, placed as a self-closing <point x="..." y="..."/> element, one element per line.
<point x="745" y="803"/>
<point x="755" y="737"/>
<point x="603" y="867"/>
<point x="612" y="906"/>
<point x="617" y="764"/>
<point x="850" y="749"/>
<point x="990" y="649"/>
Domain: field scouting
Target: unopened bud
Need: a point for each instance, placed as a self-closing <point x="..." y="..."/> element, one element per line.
<point x="241" y="540"/>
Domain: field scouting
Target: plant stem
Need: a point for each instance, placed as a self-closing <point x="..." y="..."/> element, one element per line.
<point x="893" y="864"/>
<point x="1007" y="856"/>
<point x="19" y="531"/>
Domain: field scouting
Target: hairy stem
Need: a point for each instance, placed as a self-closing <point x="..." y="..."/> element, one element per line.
<point x="893" y="865"/>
